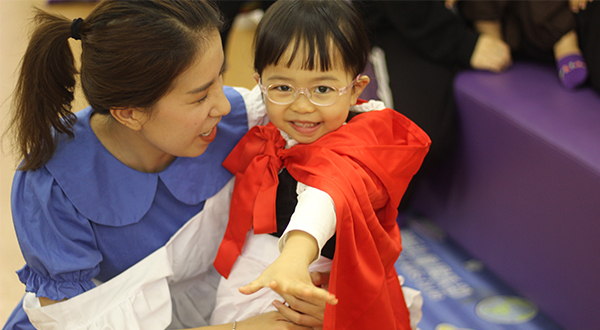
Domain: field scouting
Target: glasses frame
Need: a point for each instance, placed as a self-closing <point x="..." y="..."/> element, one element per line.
<point x="305" y="91"/>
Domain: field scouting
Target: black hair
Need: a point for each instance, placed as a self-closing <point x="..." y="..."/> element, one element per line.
<point x="132" y="52"/>
<point x="318" y="28"/>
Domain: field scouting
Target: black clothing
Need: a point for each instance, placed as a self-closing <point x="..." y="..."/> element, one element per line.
<point x="285" y="204"/>
<point x="588" y="31"/>
<point x="425" y="44"/>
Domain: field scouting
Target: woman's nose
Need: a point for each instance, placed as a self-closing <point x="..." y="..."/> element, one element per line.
<point x="221" y="107"/>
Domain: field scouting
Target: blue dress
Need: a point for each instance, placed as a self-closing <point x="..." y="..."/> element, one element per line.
<point x="84" y="215"/>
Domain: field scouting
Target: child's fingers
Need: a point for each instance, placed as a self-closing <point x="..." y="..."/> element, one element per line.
<point x="318" y="293"/>
<point x="251" y="287"/>
<point x="305" y="292"/>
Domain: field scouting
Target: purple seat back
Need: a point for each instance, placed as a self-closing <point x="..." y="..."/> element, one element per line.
<point x="522" y="193"/>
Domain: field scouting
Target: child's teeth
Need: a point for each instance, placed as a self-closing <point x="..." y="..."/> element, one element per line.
<point x="305" y="125"/>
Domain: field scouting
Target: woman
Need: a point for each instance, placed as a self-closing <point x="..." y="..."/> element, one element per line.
<point x="129" y="192"/>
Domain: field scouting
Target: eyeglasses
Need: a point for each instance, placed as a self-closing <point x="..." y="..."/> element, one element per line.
<point x="320" y="95"/>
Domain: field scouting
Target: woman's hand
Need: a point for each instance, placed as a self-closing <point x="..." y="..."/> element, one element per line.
<point x="577" y="5"/>
<point x="307" y="311"/>
<point x="269" y="321"/>
<point x="313" y="310"/>
<point x="450" y="3"/>
<point x="491" y="54"/>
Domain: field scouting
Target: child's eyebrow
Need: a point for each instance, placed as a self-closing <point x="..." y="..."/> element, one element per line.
<point x="327" y="77"/>
<point x="313" y="80"/>
<point x="279" y="78"/>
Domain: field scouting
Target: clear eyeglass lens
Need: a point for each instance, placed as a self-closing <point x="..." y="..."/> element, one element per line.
<point x="321" y="94"/>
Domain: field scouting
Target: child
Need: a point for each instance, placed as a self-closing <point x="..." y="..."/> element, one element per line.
<point x="346" y="178"/>
<point x="534" y="27"/>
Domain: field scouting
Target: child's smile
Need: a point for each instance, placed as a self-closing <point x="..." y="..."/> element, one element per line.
<point x="306" y="128"/>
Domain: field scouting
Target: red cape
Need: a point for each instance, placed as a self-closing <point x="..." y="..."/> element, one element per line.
<point x="365" y="166"/>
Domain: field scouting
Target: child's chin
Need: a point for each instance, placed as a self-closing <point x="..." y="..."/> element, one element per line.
<point x="307" y="139"/>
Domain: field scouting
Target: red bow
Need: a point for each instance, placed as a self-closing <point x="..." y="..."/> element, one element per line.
<point x="259" y="153"/>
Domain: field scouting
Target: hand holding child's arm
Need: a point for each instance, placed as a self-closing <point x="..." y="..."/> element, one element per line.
<point x="307" y="311"/>
<point x="289" y="273"/>
<point x="449" y="3"/>
<point x="577" y="5"/>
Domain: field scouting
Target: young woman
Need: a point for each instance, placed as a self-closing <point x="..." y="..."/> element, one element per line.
<point x="119" y="208"/>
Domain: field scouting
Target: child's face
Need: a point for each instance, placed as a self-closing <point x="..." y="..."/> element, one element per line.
<point x="304" y="121"/>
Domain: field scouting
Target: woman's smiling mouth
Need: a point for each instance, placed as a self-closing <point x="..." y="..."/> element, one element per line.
<point x="208" y="133"/>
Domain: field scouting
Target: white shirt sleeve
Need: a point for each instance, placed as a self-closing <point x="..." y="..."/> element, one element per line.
<point x="255" y="106"/>
<point x="314" y="214"/>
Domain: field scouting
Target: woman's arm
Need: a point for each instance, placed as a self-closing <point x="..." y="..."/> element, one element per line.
<point x="46" y="302"/>
<point x="266" y="321"/>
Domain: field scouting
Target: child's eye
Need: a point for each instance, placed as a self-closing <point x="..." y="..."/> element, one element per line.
<point x="282" y="88"/>
<point x="323" y="89"/>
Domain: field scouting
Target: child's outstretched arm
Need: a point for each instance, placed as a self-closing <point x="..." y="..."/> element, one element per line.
<point x="289" y="273"/>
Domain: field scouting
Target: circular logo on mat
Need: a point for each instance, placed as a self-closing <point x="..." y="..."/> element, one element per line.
<point x="506" y="310"/>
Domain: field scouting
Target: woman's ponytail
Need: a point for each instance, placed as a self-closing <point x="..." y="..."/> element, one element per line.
<point x="44" y="91"/>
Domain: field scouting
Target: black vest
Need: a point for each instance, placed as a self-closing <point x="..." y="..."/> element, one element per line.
<point x="285" y="206"/>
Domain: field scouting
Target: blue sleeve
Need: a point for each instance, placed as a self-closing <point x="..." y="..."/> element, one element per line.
<point x="57" y="242"/>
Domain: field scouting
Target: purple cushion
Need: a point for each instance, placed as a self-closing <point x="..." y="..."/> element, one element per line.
<point x="522" y="194"/>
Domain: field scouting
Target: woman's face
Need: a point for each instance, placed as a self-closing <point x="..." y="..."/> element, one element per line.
<point x="183" y="122"/>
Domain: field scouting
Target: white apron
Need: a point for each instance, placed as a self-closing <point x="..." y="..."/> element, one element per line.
<point x="173" y="287"/>
<point x="258" y="253"/>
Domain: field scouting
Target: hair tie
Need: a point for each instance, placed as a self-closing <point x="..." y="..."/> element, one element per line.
<point x="75" y="28"/>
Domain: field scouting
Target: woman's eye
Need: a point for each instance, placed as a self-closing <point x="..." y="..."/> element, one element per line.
<point x="323" y="89"/>
<point x="203" y="99"/>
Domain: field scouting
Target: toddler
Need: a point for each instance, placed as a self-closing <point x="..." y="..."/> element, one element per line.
<point x="312" y="173"/>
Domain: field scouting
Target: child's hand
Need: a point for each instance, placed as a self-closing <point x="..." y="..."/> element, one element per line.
<point x="577" y="5"/>
<point x="291" y="278"/>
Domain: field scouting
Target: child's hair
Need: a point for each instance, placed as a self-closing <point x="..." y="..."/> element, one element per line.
<point x="316" y="28"/>
<point x="132" y="51"/>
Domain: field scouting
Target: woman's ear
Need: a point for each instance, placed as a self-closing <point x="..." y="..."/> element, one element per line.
<point x="256" y="77"/>
<point x="359" y="86"/>
<point x="133" y="118"/>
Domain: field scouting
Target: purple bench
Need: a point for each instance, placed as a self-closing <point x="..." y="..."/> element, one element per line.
<point x="522" y="193"/>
